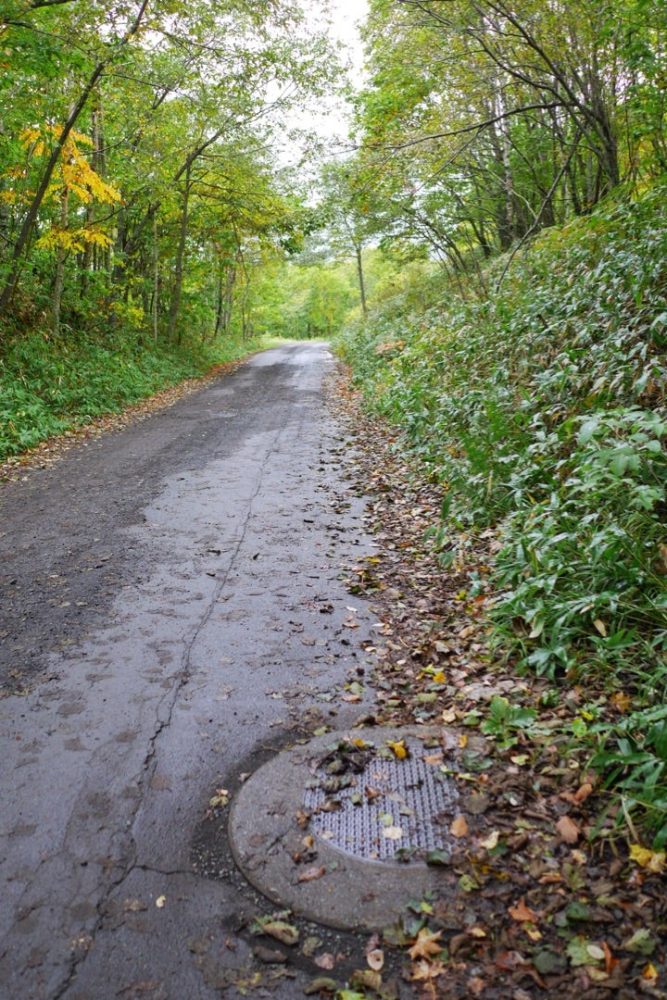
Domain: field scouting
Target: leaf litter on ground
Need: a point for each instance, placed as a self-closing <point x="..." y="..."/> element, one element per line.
<point x="544" y="897"/>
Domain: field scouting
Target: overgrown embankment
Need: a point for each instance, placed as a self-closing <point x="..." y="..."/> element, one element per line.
<point x="538" y="402"/>
<point x="50" y="385"/>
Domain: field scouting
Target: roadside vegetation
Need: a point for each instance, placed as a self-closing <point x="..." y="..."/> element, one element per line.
<point x="142" y="189"/>
<point x="490" y="252"/>
<point x="523" y="164"/>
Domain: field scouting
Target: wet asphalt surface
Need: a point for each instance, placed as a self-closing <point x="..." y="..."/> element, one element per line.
<point x="172" y="615"/>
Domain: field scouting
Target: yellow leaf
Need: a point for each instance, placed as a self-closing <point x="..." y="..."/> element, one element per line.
<point x="621" y="701"/>
<point x="650" y="973"/>
<point x="463" y="741"/>
<point x="399" y="749"/>
<point x="600" y="626"/>
<point x="653" y="861"/>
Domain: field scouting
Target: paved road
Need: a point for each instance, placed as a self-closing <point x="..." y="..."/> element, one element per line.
<point x="171" y="614"/>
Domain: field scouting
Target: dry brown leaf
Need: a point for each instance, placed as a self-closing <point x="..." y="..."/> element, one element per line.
<point x="581" y="794"/>
<point x="522" y="913"/>
<point x="311" y="874"/>
<point x="325" y="960"/>
<point x="427" y="970"/>
<point x="568" y="830"/>
<point x="459" y="827"/>
<point x="426" y="945"/>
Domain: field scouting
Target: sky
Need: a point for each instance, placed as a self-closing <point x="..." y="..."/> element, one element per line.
<point x="329" y="119"/>
<point x="346" y="15"/>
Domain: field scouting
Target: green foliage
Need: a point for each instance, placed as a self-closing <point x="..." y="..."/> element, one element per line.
<point x="540" y="407"/>
<point x="48" y="387"/>
<point x="504" y="719"/>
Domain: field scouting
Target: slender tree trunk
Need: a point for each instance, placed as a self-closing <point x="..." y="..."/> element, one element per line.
<point x="156" y="280"/>
<point x="362" y="283"/>
<point x="175" y="303"/>
<point x="61" y="256"/>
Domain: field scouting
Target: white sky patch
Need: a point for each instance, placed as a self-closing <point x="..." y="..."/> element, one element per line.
<point x="328" y="119"/>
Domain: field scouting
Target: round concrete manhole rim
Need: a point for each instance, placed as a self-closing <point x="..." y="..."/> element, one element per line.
<point x="267" y="829"/>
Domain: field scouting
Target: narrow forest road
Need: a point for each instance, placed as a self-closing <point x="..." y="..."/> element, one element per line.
<point x="172" y="614"/>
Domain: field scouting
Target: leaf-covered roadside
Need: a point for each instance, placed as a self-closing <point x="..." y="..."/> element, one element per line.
<point x="539" y="407"/>
<point x="546" y="894"/>
<point x="42" y="420"/>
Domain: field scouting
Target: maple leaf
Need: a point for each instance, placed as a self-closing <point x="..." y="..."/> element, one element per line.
<point x="426" y="945"/>
<point x="427" y="970"/>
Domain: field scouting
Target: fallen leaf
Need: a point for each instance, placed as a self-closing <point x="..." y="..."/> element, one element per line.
<point x="621" y="701"/>
<point x="459" y="827"/>
<point x="653" y="861"/>
<point x="367" y="979"/>
<point x="278" y="929"/>
<point x="427" y="970"/>
<point x="134" y="906"/>
<point x="581" y="794"/>
<point x="392" y="832"/>
<point x="581" y="951"/>
<point x="311" y="874"/>
<point x="522" y="913"/>
<point x="568" y="830"/>
<point x="650" y="974"/>
<point x="302" y="818"/>
<point x="325" y="961"/>
<point x="220" y="799"/>
<point x="320" y="985"/>
<point x="160" y="901"/>
<point x="491" y="842"/>
<point x="642" y="942"/>
<point x="427" y="944"/>
<point x="399" y="749"/>
<point x="375" y="959"/>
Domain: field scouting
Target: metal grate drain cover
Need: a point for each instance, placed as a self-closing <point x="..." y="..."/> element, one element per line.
<point x="391" y="806"/>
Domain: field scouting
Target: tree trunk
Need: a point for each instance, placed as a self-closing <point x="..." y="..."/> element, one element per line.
<point x="175" y="304"/>
<point x="156" y="280"/>
<point x="362" y="283"/>
<point x="61" y="256"/>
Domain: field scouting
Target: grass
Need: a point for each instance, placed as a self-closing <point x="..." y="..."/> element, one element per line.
<point x="50" y="386"/>
<point x="540" y="408"/>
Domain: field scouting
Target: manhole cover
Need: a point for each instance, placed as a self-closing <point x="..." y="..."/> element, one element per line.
<point x="391" y="809"/>
<point x="297" y="796"/>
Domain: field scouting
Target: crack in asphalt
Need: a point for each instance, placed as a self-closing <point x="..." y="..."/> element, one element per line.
<point x="109" y="800"/>
<point x="150" y="760"/>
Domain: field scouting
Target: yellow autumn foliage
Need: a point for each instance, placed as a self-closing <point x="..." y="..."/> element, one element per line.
<point x="73" y="239"/>
<point x="75" y="175"/>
